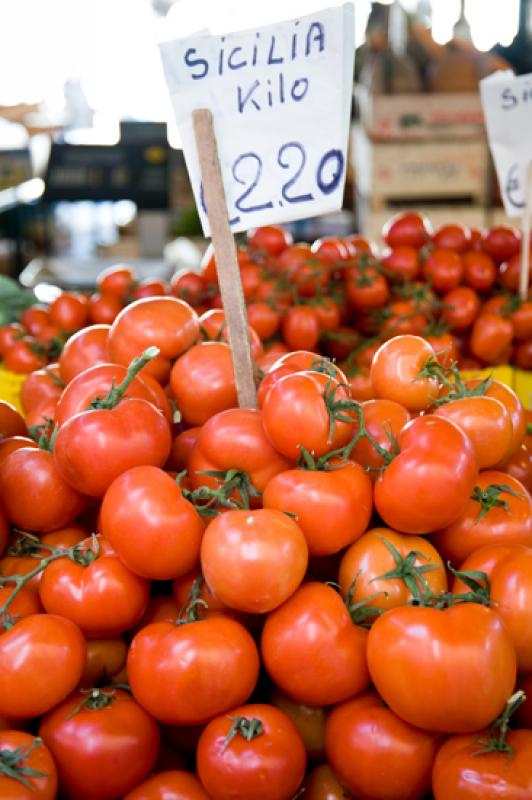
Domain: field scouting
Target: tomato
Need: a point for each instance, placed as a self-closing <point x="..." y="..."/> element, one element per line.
<point x="24" y="356"/>
<point x="376" y="753"/>
<point x="182" y="447"/>
<point x="40" y="386"/>
<point x="166" y="322"/>
<point x="202" y="382"/>
<point x="519" y="466"/>
<point x="367" y="289"/>
<point x="41" y="661"/>
<point x="330" y="250"/>
<point x="117" y="280"/>
<point x="27" y="769"/>
<point x="297" y="361"/>
<point x="501" y="243"/>
<point x="511" y="402"/>
<point x="383" y="419"/>
<point x="443" y="269"/>
<point x="234" y="439"/>
<point x="69" y="311"/>
<point x="150" y="287"/>
<point x="460" y="308"/>
<point x="444" y="346"/>
<point x="105" y="658"/>
<point x="486" y="422"/>
<point x="84" y="349"/>
<point x="402" y="262"/>
<point x="35" y="318"/>
<point x="264" y="319"/>
<point x="395" y="372"/>
<point x="9" y="334"/>
<point x="491" y="337"/>
<point x="309" y="721"/>
<point x="364" y="564"/>
<point x="192" y="586"/>
<point x="33" y="493"/>
<point x="103" y="743"/>
<point x="509" y="272"/>
<point x="300" y="328"/>
<point x="452" y="237"/>
<point x="312" y="650"/>
<point x="522" y="320"/>
<point x="170" y="669"/>
<point x="188" y="286"/>
<point x="293" y="259"/>
<point x="25" y="602"/>
<point x="11" y="422"/>
<point x="104" y="308"/>
<point x="332" y="506"/>
<point x="357" y="244"/>
<point x="462" y="772"/>
<point x="407" y="228"/>
<point x="322" y="784"/>
<point x="479" y="270"/>
<point x="263" y="760"/>
<point x="41" y="417"/>
<point x="169" y="785"/>
<point x="301" y="410"/>
<point x="341" y="343"/>
<point x="23" y="552"/>
<point x="213" y="327"/>
<point x="360" y="384"/>
<point x="271" y="239"/>
<point x="161" y="608"/>
<point x="253" y="560"/>
<point x="430" y="480"/>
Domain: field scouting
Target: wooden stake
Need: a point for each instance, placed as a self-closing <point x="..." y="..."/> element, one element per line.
<point x="226" y="258"/>
<point x="525" y="242"/>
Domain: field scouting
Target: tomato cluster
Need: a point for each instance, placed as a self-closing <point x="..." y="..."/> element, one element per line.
<point x="325" y="597"/>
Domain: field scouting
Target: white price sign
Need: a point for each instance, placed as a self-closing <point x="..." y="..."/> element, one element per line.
<point x="507" y="103"/>
<point x="281" y="98"/>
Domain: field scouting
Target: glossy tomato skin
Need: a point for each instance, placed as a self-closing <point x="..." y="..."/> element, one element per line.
<point x="383" y="419"/>
<point x="34" y="495"/>
<point x="39" y="386"/>
<point x="486" y="422"/>
<point x="271" y="239"/>
<point x="41" y="787"/>
<point x="376" y="754"/>
<point x="479" y="270"/>
<point x="84" y="349"/>
<point x="430" y="480"/>
<point x="368" y="558"/>
<point x="264" y="319"/>
<point x="135" y="433"/>
<point x="11" y="422"/>
<point x="103" y="598"/>
<point x="498" y="526"/>
<point x="270" y="767"/>
<point x="41" y="661"/>
<point x="460" y="773"/>
<point x="9" y="334"/>
<point x="501" y="242"/>
<point x="170" y="669"/>
<point x="154" y="530"/>
<point x="490" y="337"/>
<point x="443" y="269"/>
<point x="253" y="560"/>
<point x="105" y="658"/>
<point x="101" y="753"/>
<point x="332" y="507"/>
<point x="104" y="308"/>
<point x="312" y="650"/>
<point x="322" y="784"/>
<point x="169" y="785"/>
<point x="69" y="311"/>
<point x="513" y="405"/>
<point x="202" y="382"/>
<point x="395" y="369"/>
<point x="402" y="262"/>
<point x="22" y="357"/>
<point x="166" y="322"/>
<point x="453" y="669"/>
<point x="461" y="306"/>
<point x="300" y="328"/>
<point x="519" y="466"/>
<point x="297" y="361"/>
<point x="452" y="237"/>
<point x="408" y="228"/>
<point x="182" y="447"/>
<point x="117" y="280"/>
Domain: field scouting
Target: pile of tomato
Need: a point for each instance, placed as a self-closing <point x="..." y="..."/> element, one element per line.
<point x="325" y="597"/>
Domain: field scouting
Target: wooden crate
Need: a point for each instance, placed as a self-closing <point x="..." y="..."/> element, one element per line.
<point x="420" y="116"/>
<point x="430" y="170"/>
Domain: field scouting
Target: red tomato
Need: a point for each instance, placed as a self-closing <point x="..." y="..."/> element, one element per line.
<point x="512" y="404"/>
<point x="166" y="322"/>
<point x="395" y="372"/>
<point x="444" y="346"/>
<point x="264" y="319"/>
<point x="407" y="228"/>
<point x="182" y="446"/>
<point x="85" y="349"/>
<point x="479" y="270"/>
<point x="452" y="237"/>
<point x="383" y="420"/>
<point x="42" y="416"/>
<point x="501" y="243"/>
<point x="105" y="658"/>
<point x="117" y="280"/>
<point x="309" y="721"/>
<point x="519" y="466"/>
<point x="430" y="480"/>
<point x="25" y="602"/>
<point x="328" y="313"/>
<point x="509" y="272"/>
<point x="297" y="361"/>
<point x="169" y="785"/>
<point x="202" y="382"/>
<point x="330" y="250"/>
<point x="341" y="344"/>
<point x="376" y="754"/>
<point x="157" y="532"/>
<point x="188" y="286"/>
<point x="170" y="669"/>
<point x="190" y="587"/>
<point x="453" y="669"/>
<point x="28" y="769"/>
<point x="150" y="287"/>
<point x="272" y="239"/>
<point x="486" y="422"/>
<point x="357" y="244"/>
<point x="9" y="334"/>
<point x="254" y="754"/>
<point x="312" y="650"/>
<point x="41" y="661"/>
<point x="104" y="744"/>
<point x="280" y="557"/>
<point x="25" y="356"/>
<point x="367" y="289"/>
<point x="69" y="311"/>
<point x="443" y="269"/>
<point x="402" y="262"/>
<point x="322" y="784"/>
<point x="491" y="337"/>
<point x="104" y="308"/>
<point x="460" y="308"/>
<point x="522" y="320"/>
<point x="35" y="319"/>
<point x="360" y="384"/>
<point x="300" y="328"/>
<point x="213" y="327"/>
<point x="11" y="422"/>
<point x="41" y="385"/>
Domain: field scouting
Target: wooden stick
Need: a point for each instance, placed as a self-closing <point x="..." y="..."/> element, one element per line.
<point x="226" y="258"/>
<point x="525" y="242"/>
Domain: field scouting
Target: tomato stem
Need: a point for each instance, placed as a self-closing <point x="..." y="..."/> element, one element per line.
<point x="208" y="501"/>
<point x="248" y="728"/>
<point x="407" y="571"/>
<point x="116" y="393"/>
<point x="496" y="738"/>
<point x="11" y="764"/>
<point x="360" y="612"/>
<point x="95" y="700"/>
<point x="489" y="498"/>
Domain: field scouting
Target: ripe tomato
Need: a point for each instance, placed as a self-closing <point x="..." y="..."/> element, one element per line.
<point x="83" y="350"/>
<point x="170" y="669"/>
<point x="11" y="422"/>
<point x="303" y="409"/>
<point x="452" y="237"/>
<point x="277" y="567"/>
<point x="35" y="319"/>
<point x="383" y="420"/>
<point x="402" y="262"/>
<point x="367" y="289"/>
<point x="154" y="530"/>
<point x="190" y="587"/>
<point x="103" y="742"/>
<point x="41" y="661"/>
<point x="166" y="322"/>
<point x="322" y="784"/>
<point x="24" y="356"/>
<point x="461" y="306"/>
<point x="522" y="320"/>
<point x="69" y="311"/>
<point x="331" y="251"/>
<point x="25" y="602"/>
<point x="501" y="243"/>
<point x="312" y="650"/>
<point x="491" y="338"/>
<point x="297" y="361"/>
<point x="264" y="319"/>
<point x="263" y="759"/>
<point x="169" y="785"/>
<point x="105" y="658"/>
<point x="41" y="417"/>
<point x="360" y="384"/>
<point x="300" y="328"/>
<point x="271" y="239"/>
<point x="213" y="327"/>
<point x="182" y="447"/>
<point x="28" y="770"/>
<point x="188" y="286"/>
<point x="519" y="466"/>
<point x="395" y="372"/>
<point x="486" y="422"/>
<point x="408" y="228"/>
<point x="117" y="280"/>
<point x="443" y="269"/>
<point x="509" y="272"/>
<point x="430" y="480"/>
<point x="202" y="382"/>
<point x="511" y="402"/>
<point x="444" y="346"/>
<point x="9" y="334"/>
<point x="453" y="669"/>
<point x="41" y="385"/>
<point x="331" y="506"/>
<point x="493" y="515"/>
<point x="309" y="721"/>
<point x="364" y="564"/>
<point x="150" y="287"/>
<point x="376" y="753"/>
<point x="104" y="308"/>
<point x="479" y="270"/>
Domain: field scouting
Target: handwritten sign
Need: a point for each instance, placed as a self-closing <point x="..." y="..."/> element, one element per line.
<point x="507" y="102"/>
<point x="280" y="97"/>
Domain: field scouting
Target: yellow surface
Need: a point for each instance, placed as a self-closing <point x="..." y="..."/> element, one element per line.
<point x="10" y="383"/>
<point x="523" y="386"/>
<point x="519" y="380"/>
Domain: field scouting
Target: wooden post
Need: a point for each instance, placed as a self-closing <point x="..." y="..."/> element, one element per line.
<point x="525" y="242"/>
<point x="226" y="258"/>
